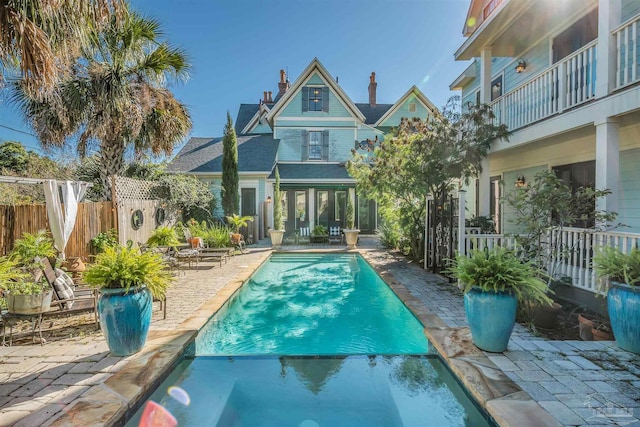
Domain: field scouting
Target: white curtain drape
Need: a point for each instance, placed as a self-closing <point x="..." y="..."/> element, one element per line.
<point x="62" y="223"/>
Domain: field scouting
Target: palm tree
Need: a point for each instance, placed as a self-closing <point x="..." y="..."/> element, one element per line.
<point x="238" y="221"/>
<point x="39" y="37"/>
<point x="116" y="97"/>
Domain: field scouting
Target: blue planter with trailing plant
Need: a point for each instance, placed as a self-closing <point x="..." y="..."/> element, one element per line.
<point x="623" y="302"/>
<point x="125" y="319"/>
<point x="491" y="317"/>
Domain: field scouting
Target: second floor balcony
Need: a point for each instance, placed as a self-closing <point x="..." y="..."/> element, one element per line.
<point x="572" y="81"/>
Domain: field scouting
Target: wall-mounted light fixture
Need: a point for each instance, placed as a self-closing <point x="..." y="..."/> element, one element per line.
<point x="520" y="181"/>
<point x="269" y="199"/>
<point x="521" y="66"/>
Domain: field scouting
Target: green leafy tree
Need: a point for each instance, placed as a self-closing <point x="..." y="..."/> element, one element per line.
<point x="13" y="157"/>
<point x="425" y="157"/>
<point x="189" y="194"/>
<point x="230" y="202"/>
<point x="41" y="37"/>
<point x="115" y="98"/>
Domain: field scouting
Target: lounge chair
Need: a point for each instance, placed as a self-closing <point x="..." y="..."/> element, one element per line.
<point x="68" y="298"/>
<point x="237" y="241"/>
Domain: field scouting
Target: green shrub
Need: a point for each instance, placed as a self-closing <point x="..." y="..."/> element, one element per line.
<point x="320" y="230"/>
<point x="31" y="247"/>
<point x="163" y="236"/>
<point x="104" y="240"/>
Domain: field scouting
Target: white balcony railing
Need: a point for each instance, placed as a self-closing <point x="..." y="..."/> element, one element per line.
<point x="572" y="254"/>
<point x="627" y="60"/>
<point x="566" y="84"/>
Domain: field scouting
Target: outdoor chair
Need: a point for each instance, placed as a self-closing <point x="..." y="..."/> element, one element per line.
<point x="68" y="297"/>
<point x="303" y="235"/>
<point x="335" y="234"/>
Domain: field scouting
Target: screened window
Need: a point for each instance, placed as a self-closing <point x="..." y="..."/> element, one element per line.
<point x="315" y="145"/>
<point x="315" y="99"/>
<point x="581" y="33"/>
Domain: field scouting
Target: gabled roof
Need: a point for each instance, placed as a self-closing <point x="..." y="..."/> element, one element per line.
<point x="315" y="66"/>
<point x="373" y="113"/>
<point x="245" y="114"/>
<point x="256" y="153"/>
<point x="413" y="90"/>
<point x="263" y="110"/>
<point x="473" y="17"/>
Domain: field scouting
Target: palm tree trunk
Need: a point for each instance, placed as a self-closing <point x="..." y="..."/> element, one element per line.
<point x="111" y="163"/>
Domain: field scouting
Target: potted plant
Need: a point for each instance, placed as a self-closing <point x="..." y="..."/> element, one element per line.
<point x="31" y="247"/>
<point x="163" y="236"/>
<point x="25" y="293"/>
<point x="127" y="280"/>
<point x="493" y="281"/>
<point x="350" y="233"/>
<point x="278" y="227"/>
<point x="319" y="234"/>
<point x="238" y="222"/>
<point x="622" y="283"/>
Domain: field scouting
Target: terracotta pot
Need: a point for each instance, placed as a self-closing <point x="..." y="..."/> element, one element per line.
<point x="585" y="326"/>
<point x="599" y="335"/>
<point x="75" y="265"/>
<point x="546" y="316"/>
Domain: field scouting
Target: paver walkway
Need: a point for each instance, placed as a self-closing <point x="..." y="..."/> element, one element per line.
<point x="579" y="383"/>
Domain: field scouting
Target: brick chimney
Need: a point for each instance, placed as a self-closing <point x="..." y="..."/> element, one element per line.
<point x="270" y="97"/>
<point x="265" y="98"/>
<point x="283" y="85"/>
<point x="372" y="89"/>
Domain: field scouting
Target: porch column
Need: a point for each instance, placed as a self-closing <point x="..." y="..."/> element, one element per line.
<point x="484" y="189"/>
<point x="608" y="162"/>
<point x="485" y="75"/>
<point x="312" y="208"/>
<point x="609" y="16"/>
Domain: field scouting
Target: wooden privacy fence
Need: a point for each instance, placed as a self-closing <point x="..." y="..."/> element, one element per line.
<point x="93" y="218"/>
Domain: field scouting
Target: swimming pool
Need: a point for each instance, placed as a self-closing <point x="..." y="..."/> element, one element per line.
<point x="312" y="340"/>
<point x="313" y="304"/>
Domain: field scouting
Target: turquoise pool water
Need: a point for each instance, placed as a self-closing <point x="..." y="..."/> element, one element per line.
<point x="313" y="304"/>
<point x="350" y="391"/>
<point x="311" y="340"/>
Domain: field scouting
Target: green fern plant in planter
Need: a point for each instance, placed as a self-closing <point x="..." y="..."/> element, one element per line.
<point x="621" y="274"/>
<point x="163" y="236"/>
<point x="492" y="282"/>
<point x="127" y="280"/>
<point x="25" y="294"/>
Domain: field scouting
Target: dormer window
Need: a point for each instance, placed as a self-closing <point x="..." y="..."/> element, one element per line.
<point x="315" y="99"/>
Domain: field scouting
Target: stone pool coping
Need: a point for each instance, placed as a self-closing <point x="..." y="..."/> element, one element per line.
<point x="116" y="399"/>
<point x="497" y="394"/>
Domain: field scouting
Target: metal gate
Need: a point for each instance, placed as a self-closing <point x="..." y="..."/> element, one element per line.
<point x="441" y="231"/>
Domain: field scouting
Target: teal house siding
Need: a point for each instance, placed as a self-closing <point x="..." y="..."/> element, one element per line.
<point x="630" y="8"/>
<point x="294" y="109"/>
<point x="510" y="177"/>
<point x="290" y="144"/>
<point x="261" y="129"/>
<point x="282" y="122"/>
<point x="421" y="112"/>
<point x="629" y="190"/>
<point x="341" y="141"/>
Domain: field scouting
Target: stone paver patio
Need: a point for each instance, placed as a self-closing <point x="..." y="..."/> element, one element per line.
<point x="74" y="381"/>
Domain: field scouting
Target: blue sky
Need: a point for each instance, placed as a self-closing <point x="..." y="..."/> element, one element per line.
<point x="237" y="47"/>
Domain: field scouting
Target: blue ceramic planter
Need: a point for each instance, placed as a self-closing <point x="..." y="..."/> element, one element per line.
<point x="623" y="302"/>
<point x="125" y="319"/>
<point x="491" y="316"/>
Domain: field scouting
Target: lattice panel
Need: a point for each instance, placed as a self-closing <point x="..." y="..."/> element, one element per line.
<point x="136" y="189"/>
